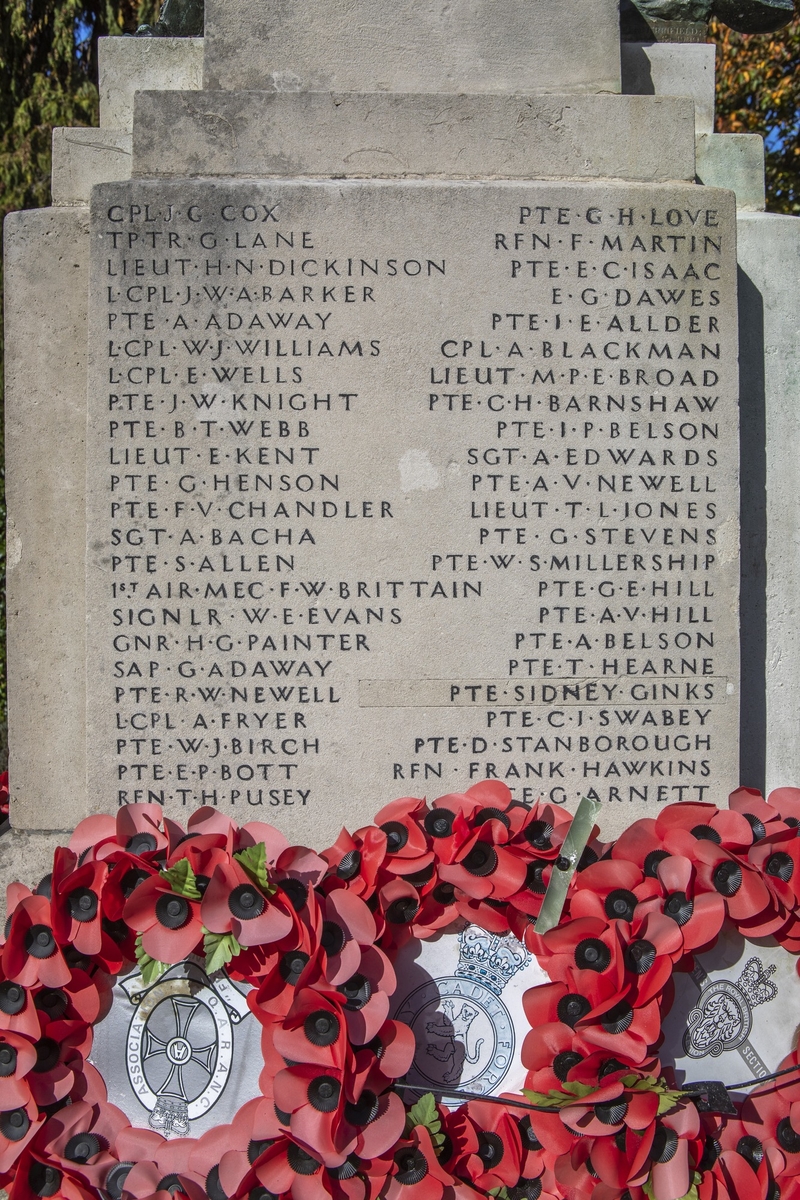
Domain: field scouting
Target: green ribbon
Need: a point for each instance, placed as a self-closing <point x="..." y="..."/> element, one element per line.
<point x="565" y="866"/>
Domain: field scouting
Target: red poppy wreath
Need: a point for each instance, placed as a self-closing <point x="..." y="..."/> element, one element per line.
<point x="220" y="936"/>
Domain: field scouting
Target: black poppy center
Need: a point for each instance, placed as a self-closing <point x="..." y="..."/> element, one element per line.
<point x="403" y="910"/>
<point x="780" y="866"/>
<point x="538" y="834"/>
<point x="333" y="938"/>
<point x="323" y="1093"/>
<point x="14" y="1124"/>
<point x="356" y="991"/>
<point x="751" y="1151"/>
<point x="141" y="843"/>
<point x="758" y="828"/>
<point x="727" y="878"/>
<point x="665" y="1144"/>
<point x="412" y="1166"/>
<point x="39" y="942"/>
<point x="491" y="814"/>
<point x="439" y="822"/>
<point x="115" y="1179"/>
<point x="12" y="998"/>
<point x="321" y="1028"/>
<point x="619" y="905"/>
<point x="214" y="1189"/>
<point x="679" y="907"/>
<point x="296" y="892"/>
<point x="490" y="1148"/>
<point x="396" y="836"/>
<point x="571" y="1008"/>
<point x="706" y="833"/>
<point x="592" y="955"/>
<point x="170" y="1183"/>
<point x="788" y="1137"/>
<point x="301" y="1162"/>
<point x="47" y="1054"/>
<point x="364" y="1110"/>
<point x="131" y="880"/>
<point x="246" y="902"/>
<point x="291" y="966"/>
<point x="564" y="1062"/>
<point x="651" y="862"/>
<point x="8" y="1060"/>
<point x="481" y="860"/>
<point x="81" y="1147"/>
<point x="349" y="864"/>
<point x="529" y="1139"/>
<point x="444" y="893"/>
<point x="640" y="956"/>
<point x="44" y="1180"/>
<point x="617" y="1019"/>
<point x="82" y="904"/>
<point x="611" y="1112"/>
<point x="172" y="911"/>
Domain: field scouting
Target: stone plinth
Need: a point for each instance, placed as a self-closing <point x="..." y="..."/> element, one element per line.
<point x="258" y="133"/>
<point x="367" y="46"/>
<point x="46" y="266"/>
<point x="130" y="64"/>
<point x="673" y="69"/>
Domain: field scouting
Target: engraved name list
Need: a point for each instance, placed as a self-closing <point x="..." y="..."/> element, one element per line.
<point x="394" y="487"/>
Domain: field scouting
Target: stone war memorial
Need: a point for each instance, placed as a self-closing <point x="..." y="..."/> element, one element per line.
<point x="401" y="401"/>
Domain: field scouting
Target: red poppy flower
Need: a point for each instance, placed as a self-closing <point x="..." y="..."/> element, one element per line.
<point x="18" y="1013"/>
<point x="35" y="1177"/>
<point x="747" y="898"/>
<point x="777" y="857"/>
<point x="170" y="925"/>
<point x="699" y="914"/>
<point x="18" y="1126"/>
<point x="356" y="861"/>
<point x="60" y="1055"/>
<point x="232" y="903"/>
<point x="772" y="1115"/>
<point x="654" y="945"/>
<point x="289" y="1167"/>
<point x="81" y="1140"/>
<point x="491" y="1151"/>
<point x="608" y="890"/>
<point x="415" y="1172"/>
<point x="587" y="955"/>
<point x="138" y="830"/>
<point x="407" y="848"/>
<point x="17" y="1058"/>
<point x="722" y="827"/>
<point x="160" y="1169"/>
<point x="482" y="867"/>
<point x="31" y="955"/>
<point x="76" y="902"/>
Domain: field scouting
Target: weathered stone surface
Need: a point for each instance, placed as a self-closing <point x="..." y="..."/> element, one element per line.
<point x="769" y="254"/>
<point x="735" y="161"/>
<point x="46" y="263"/>
<point x="26" y="857"/>
<point x="259" y="133"/>
<point x="128" y="65"/>
<point x="673" y="69"/>
<point x="367" y="46"/>
<point x="84" y="157"/>
<point x="392" y="487"/>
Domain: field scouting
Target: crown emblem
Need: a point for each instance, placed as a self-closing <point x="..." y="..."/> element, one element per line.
<point x="754" y="982"/>
<point x="489" y="958"/>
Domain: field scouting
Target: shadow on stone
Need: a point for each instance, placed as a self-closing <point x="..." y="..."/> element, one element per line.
<point x="753" y="537"/>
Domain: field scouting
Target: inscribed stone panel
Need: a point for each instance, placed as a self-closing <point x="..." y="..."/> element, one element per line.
<point x="392" y="487"/>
